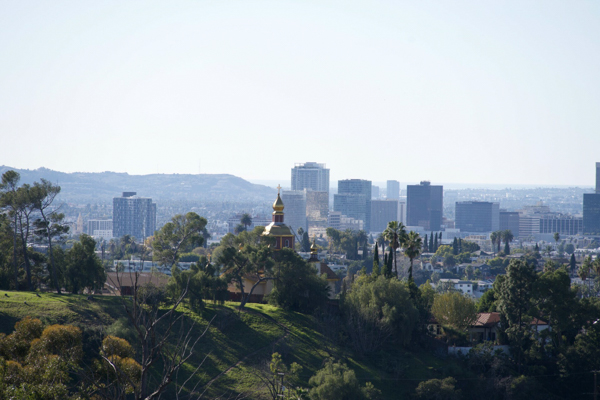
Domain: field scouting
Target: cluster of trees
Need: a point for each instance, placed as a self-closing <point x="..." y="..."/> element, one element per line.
<point x="432" y="245"/>
<point x="348" y="242"/>
<point x="26" y="214"/>
<point x="497" y="237"/>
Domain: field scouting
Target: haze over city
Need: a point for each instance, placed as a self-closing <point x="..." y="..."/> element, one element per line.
<point x="464" y="92"/>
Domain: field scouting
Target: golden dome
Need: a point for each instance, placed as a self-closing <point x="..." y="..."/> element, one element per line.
<point x="278" y="205"/>
<point x="313" y="248"/>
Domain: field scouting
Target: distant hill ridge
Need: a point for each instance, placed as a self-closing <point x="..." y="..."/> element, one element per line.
<point x="103" y="186"/>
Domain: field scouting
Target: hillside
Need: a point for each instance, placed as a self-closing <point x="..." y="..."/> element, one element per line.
<point x="236" y="343"/>
<point x="103" y="186"/>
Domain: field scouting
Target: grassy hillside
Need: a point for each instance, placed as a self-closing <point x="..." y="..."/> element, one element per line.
<point x="235" y="343"/>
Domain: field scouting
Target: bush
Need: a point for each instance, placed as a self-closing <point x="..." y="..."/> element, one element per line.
<point x="337" y="381"/>
<point x="438" y="389"/>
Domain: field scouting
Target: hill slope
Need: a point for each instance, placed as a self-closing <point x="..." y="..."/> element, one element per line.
<point x="236" y="344"/>
<point x="103" y="186"/>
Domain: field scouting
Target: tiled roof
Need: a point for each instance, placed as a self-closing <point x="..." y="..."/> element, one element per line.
<point x="487" y="320"/>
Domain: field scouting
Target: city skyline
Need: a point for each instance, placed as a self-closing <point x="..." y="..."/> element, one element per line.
<point x="465" y="92"/>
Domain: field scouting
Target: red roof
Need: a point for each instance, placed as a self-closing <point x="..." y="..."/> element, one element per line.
<point x="487" y="319"/>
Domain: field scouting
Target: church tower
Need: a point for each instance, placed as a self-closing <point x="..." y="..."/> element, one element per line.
<point x="284" y="237"/>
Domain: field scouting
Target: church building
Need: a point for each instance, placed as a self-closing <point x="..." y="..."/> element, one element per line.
<point x="284" y="237"/>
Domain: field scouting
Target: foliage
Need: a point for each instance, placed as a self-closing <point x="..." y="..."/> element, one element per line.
<point x="182" y="234"/>
<point x="297" y="286"/>
<point x="202" y="282"/>
<point x="337" y="381"/>
<point x="378" y="310"/>
<point x="83" y="269"/>
<point x="455" y="310"/>
<point x="438" y="389"/>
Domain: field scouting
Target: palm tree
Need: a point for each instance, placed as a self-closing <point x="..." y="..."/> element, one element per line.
<point x="584" y="269"/>
<point x="362" y="238"/>
<point x="395" y="233"/>
<point x="412" y="248"/>
<point x="507" y="236"/>
<point x="494" y="239"/>
<point x="246" y="220"/>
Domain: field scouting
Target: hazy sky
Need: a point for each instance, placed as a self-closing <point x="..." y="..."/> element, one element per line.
<point x="449" y="91"/>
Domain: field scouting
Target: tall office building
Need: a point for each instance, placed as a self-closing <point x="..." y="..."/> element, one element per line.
<point x="317" y="208"/>
<point x="382" y="212"/>
<point x="477" y="216"/>
<point x="374" y="192"/>
<point x="425" y="205"/>
<point x="354" y="200"/>
<point x="295" y="208"/>
<point x="393" y="190"/>
<point x="509" y="220"/>
<point x="591" y="208"/>
<point x="311" y="176"/>
<point x="133" y="215"/>
<point x="598" y="177"/>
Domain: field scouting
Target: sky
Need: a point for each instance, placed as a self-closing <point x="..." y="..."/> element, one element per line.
<point x="497" y="92"/>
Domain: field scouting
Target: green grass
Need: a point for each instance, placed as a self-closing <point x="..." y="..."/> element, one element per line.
<point x="236" y="341"/>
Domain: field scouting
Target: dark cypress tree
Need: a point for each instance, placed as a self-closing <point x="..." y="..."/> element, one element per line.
<point x="460" y="245"/>
<point x="572" y="262"/>
<point x="440" y="235"/>
<point x="431" y="248"/>
<point x="455" y="246"/>
<point x="376" y="269"/>
<point x="506" y="248"/>
<point x="388" y="269"/>
<point x="537" y="248"/>
<point x="425" y="243"/>
<point x="435" y="244"/>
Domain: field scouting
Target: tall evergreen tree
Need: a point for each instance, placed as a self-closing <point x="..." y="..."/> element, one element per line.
<point x="460" y="250"/>
<point x="425" y="245"/>
<point x="431" y="248"/>
<point x="572" y="262"/>
<point x="455" y="246"/>
<point x="435" y="244"/>
<point x="376" y="269"/>
<point x="506" y="248"/>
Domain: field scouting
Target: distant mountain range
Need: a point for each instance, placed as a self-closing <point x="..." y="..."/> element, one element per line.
<point x="103" y="186"/>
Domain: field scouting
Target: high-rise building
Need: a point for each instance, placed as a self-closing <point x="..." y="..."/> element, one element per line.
<point x="563" y="224"/>
<point x="317" y="208"/>
<point x="100" y="228"/>
<point x="374" y="192"/>
<point x="425" y="206"/>
<point x="598" y="177"/>
<point x="354" y="200"/>
<point x="591" y="208"/>
<point x="509" y="220"/>
<point x="133" y="215"/>
<point x="591" y="213"/>
<point x="393" y="190"/>
<point x="477" y="216"/>
<point x="311" y="176"/>
<point x="295" y="208"/>
<point x="382" y="212"/>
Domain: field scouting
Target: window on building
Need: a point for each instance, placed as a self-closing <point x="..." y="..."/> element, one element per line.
<point x="287" y="243"/>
